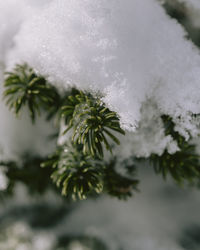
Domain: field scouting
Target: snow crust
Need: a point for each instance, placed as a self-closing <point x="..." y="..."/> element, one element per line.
<point x="130" y="51"/>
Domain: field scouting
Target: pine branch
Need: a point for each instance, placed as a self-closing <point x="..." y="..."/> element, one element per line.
<point x="79" y="169"/>
<point x="29" y="173"/>
<point x="25" y="88"/>
<point x="93" y="124"/>
<point x="77" y="174"/>
<point x="184" y="165"/>
<point x="169" y="126"/>
<point x="117" y="185"/>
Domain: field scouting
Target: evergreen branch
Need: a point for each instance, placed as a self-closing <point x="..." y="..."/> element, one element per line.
<point x="117" y="185"/>
<point x="169" y="126"/>
<point x="77" y="175"/>
<point x="80" y="175"/>
<point x="90" y="121"/>
<point x="183" y="165"/>
<point x="79" y="169"/>
<point x="29" y="173"/>
<point x="24" y="87"/>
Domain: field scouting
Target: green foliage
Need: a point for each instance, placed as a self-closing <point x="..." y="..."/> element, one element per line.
<point x="183" y="165"/>
<point x="79" y="169"/>
<point x="77" y="174"/>
<point x="29" y="173"/>
<point x="170" y="130"/>
<point x="24" y="87"/>
<point x="117" y="185"/>
<point x="91" y="121"/>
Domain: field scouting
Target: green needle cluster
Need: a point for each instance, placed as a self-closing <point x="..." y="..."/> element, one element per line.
<point x="24" y="88"/>
<point x="78" y="175"/>
<point x="183" y="165"/>
<point x="118" y="185"/>
<point x="93" y="124"/>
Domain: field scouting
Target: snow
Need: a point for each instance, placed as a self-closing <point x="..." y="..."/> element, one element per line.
<point x="3" y="179"/>
<point x="143" y="65"/>
<point x="130" y="51"/>
<point x="150" y="136"/>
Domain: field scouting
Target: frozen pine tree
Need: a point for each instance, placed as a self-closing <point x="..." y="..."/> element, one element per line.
<point x="93" y="92"/>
